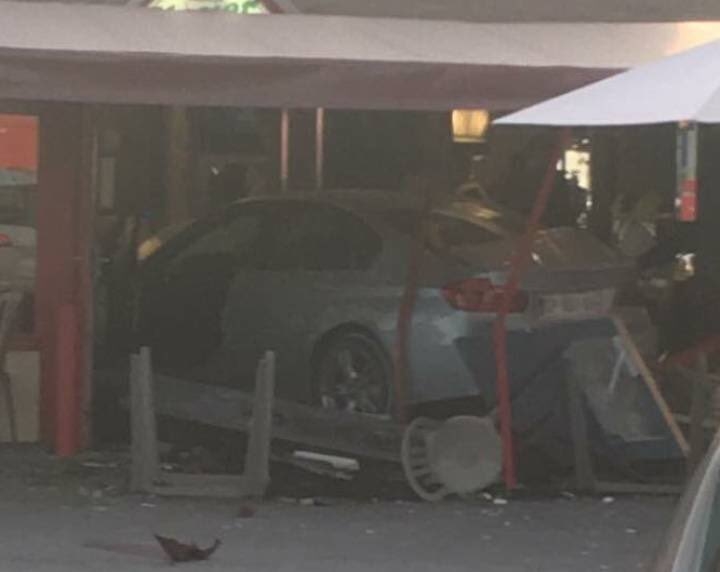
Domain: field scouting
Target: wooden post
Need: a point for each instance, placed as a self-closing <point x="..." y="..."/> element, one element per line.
<point x="257" y="457"/>
<point x="142" y="423"/>
<point x="584" y="474"/>
<point x="284" y="150"/>
<point x="178" y="165"/>
<point x="319" y="148"/>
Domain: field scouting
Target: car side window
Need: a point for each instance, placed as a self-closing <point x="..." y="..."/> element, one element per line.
<point x="233" y="240"/>
<point x="321" y="238"/>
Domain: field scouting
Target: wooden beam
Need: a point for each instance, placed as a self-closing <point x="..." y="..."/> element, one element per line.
<point x="227" y="408"/>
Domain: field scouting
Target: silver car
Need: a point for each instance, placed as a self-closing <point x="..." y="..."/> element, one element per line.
<point x="319" y="279"/>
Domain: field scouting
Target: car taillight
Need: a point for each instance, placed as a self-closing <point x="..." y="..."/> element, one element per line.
<point x="481" y="295"/>
<point x="5" y="240"/>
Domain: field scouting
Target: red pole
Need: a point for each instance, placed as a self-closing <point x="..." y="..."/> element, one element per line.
<point x="67" y="402"/>
<point x="517" y="267"/>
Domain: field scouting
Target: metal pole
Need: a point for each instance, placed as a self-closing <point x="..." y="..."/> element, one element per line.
<point x="319" y="148"/>
<point x="284" y="149"/>
<point x="518" y="265"/>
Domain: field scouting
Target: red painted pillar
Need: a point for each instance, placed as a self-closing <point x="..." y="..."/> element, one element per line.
<point x="64" y="219"/>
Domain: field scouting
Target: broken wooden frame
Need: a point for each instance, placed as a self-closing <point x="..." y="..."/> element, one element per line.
<point x="585" y="478"/>
<point x="152" y="395"/>
<point x="353" y="434"/>
<point x="147" y="475"/>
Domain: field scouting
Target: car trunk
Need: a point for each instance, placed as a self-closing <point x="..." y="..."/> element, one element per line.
<point x="563" y="260"/>
<point x="571" y="275"/>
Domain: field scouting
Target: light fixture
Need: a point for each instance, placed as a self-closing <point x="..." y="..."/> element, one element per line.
<point x="470" y="125"/>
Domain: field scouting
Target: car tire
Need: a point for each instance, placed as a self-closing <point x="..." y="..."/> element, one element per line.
<point x="353" y="373"/>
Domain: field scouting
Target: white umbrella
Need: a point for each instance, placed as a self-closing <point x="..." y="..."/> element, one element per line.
<point x="683" y="87"/>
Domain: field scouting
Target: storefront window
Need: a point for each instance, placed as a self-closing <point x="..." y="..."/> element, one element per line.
<point x="18" y="189"/>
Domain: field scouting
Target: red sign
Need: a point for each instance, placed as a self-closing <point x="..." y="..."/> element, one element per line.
<point x="18" y="142"/>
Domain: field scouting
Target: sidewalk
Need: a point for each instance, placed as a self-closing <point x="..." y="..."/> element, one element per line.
<point x="81" y="523"/>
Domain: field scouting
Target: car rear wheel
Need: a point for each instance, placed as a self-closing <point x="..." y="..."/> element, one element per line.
<point x="354" y="374"/>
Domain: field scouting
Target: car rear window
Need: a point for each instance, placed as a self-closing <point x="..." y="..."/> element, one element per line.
<point x="444" y="232"/>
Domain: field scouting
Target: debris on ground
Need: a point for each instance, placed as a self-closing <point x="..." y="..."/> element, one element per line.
<point x="185" y="552"/>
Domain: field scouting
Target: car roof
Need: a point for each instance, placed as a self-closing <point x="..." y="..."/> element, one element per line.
<point x="375" y="202"/>
<point x="352" y="198"/>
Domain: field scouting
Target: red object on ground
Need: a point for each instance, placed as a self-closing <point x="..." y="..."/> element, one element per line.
<point x="67" y="438"/>
<point x="18" y="142"/>
<point x="517" y="267"/>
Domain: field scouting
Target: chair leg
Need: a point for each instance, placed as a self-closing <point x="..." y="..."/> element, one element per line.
<point x="9" y="405"/>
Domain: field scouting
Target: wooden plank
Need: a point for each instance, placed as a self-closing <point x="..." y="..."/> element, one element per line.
<point x="649" y="379"/>
<point x="257" y="458"/>
<point x="228" y="408"/>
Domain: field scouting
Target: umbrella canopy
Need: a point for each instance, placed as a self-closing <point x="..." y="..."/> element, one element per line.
<point x="683" y="87"/>
<point x="108" y="54"/>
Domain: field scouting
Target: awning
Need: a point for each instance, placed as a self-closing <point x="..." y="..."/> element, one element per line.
<point x="73" y="52"/>
<point x="683" y="87"/>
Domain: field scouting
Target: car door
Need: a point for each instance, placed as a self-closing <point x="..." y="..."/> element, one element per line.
<point x="185" y="291"/>
<point x="317" y="264"/>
